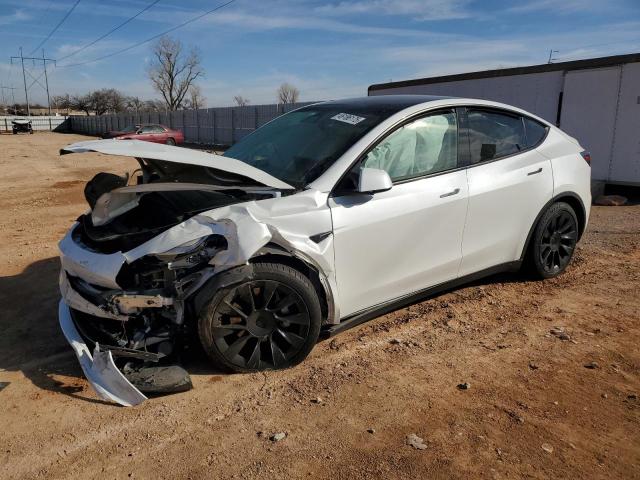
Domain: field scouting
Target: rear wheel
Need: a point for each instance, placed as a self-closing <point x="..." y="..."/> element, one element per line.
<point x="170" y="141"/>
<point x="554" y="241"/>
<point x="269" y="322"/>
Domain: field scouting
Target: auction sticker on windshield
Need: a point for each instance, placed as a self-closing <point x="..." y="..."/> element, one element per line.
<point x="348" y="118"/>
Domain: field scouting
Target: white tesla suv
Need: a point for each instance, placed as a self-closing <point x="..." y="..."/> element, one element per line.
<point x="319" y="220"/>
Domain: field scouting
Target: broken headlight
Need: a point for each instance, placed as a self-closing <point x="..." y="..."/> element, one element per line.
<point x="192" y="253"/>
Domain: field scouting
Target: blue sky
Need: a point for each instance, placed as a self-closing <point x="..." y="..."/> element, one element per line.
<point x="327" y="49"/>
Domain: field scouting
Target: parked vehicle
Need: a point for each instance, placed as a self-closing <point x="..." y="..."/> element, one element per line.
<point x="148" y="133"/>
<point x="21" y="126"/>
<point x="325" y="217"/>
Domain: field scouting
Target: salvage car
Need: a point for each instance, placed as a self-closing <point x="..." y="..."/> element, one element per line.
<point x="318" y="221"/>
<point x="21" y="126"/>
<point x="148" y="133"/>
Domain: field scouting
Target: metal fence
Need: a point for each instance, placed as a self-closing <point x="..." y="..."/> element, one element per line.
<point x="209" y="126"/>
<point x="49" y="123"/>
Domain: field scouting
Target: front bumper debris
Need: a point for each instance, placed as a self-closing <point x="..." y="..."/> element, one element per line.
<point x="103" y="375"/>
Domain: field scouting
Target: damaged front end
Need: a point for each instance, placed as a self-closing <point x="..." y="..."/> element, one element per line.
<point x="137" y="318"/>
<point x="131" y="267"/>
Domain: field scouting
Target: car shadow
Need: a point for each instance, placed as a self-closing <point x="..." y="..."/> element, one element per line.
<point x="32" y="342"/>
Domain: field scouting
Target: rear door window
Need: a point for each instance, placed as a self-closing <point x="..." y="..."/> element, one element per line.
<point x="493" y="134"/>
<point x="535" y="132"/>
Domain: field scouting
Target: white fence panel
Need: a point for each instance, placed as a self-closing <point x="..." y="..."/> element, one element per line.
<point x="39" y="123"/>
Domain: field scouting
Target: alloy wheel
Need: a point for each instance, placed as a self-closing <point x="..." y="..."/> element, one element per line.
<point x="558" y="241"/>
<point x="260" y="324"/>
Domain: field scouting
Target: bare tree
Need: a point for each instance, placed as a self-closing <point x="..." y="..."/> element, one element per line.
<point x="108" y="100"/>
<point x="134" y="104"/>
<point x="195" y="99"/>
<point x="173" y="71"/>
<point x="155" y="106"/>
<point x="241" y="101"/>
<point x="83" y="103"/>
<point x="287" y="93"/>
<point x="61" y="102"/>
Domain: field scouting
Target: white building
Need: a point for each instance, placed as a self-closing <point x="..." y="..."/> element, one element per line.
<point x="596" y="101"/>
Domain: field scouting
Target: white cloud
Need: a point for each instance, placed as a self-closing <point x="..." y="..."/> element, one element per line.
<point x="567" y="6"/>
<point x="17" y="16"/>
<point x="419" y="9"/>
<point x="259" y="22"/>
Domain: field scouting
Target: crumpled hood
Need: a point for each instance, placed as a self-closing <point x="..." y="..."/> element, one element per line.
<point x="167" y="153"/>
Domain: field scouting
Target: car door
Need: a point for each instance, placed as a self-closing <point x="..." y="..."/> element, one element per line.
<point x="509" y="184"/>
<point x="394" y="243"/>
<point x="148" y="133"/>
<point x="159" y="134"/>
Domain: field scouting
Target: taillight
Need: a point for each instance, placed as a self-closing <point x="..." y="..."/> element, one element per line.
<point x="587" y="156"/>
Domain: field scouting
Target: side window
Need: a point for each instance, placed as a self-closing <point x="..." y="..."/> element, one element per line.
<point x="425" y="146"/>
<point x="147" y="129"/>
<point x="535" y="132"/>
<point x="493" y="135"/>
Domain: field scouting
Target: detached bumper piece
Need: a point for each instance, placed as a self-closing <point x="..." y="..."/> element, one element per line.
<point x="109" y="383"/>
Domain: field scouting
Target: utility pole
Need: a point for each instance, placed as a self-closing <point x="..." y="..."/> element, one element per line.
<point x="24" y="77"/>
<point x="551" y="52"/>
<point x="26" y="92"/>
<point x="46" y="80"/>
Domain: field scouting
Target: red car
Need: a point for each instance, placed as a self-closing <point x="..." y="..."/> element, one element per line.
<point x="149" y="133"/>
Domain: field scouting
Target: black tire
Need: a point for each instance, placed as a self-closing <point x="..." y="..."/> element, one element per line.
<point x="170" y="141"/>
<point x="267" y="323"/>
<point x="554" y="241"/>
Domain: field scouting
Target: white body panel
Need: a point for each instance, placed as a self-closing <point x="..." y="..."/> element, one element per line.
<point x="505" y="196"/>
<point x="571" y="174"/>
<point x="168" y="153"/>
<point x="397" y="242"/>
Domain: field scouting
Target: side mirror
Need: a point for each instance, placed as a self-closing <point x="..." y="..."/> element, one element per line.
<point x="374" y="180"/>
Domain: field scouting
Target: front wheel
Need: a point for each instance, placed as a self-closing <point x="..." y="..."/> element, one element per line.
<point x="170" y="141"/>
<point x="269" y="322"/>
<point x="554" y="241"/>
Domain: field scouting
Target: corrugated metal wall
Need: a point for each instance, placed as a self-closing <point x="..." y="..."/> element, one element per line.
<point x="537" y="92"/>
<point x="210" y="126"/>
<point x="599" y="106"/>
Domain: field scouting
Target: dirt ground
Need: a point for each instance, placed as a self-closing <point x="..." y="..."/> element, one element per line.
<point x="532" y="410"/>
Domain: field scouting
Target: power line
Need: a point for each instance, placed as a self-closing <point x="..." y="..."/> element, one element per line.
<point x="110" y="31"/>
<point x="130" y="47"/>
<point x="56" y="27"/>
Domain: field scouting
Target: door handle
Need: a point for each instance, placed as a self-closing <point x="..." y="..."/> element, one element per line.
<point x="535" y="171"/>
<point x="451" y="193"/>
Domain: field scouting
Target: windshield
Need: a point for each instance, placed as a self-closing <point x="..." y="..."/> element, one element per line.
<point x="299" y="146"/>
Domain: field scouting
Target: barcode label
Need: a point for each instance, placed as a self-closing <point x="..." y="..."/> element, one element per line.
<point x="348" y="118"/>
